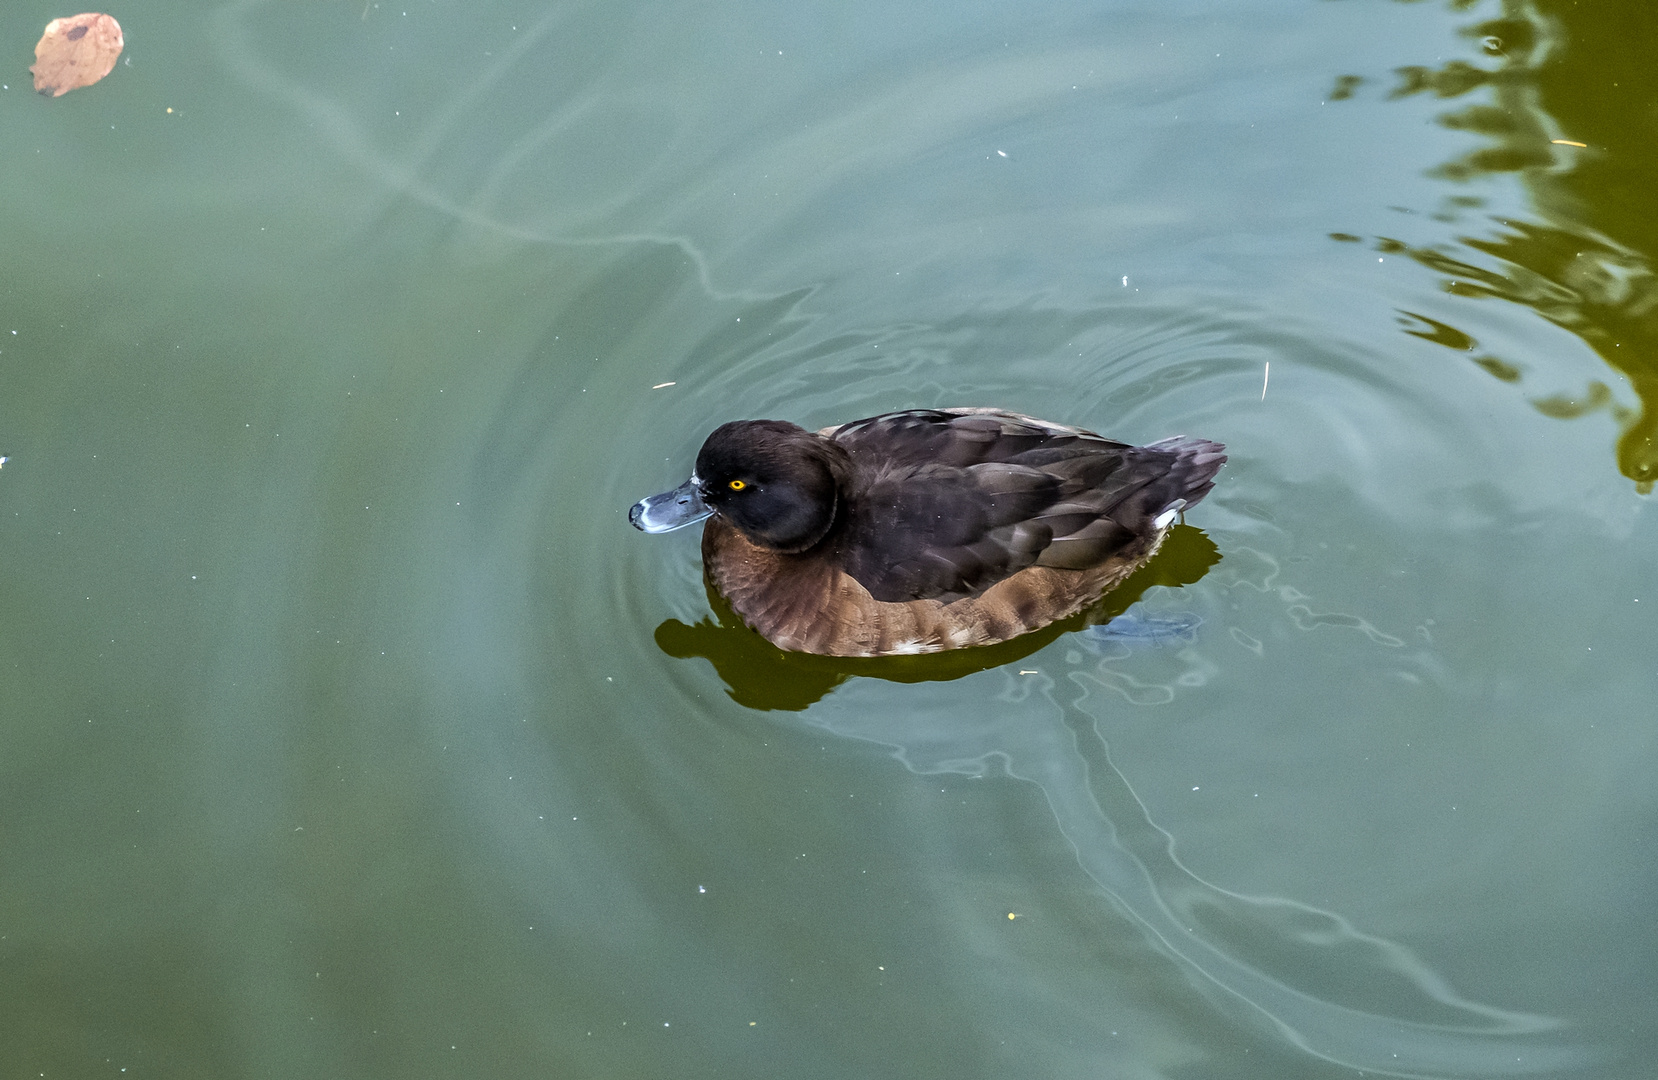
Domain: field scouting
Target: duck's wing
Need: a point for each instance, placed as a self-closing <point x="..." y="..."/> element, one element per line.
<point x="1062" y="498"/>
<point x="1117" y="499"/>
<point x="941" y="532"/>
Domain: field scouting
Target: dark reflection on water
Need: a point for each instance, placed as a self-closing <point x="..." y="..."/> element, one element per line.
<point x="761" y="676"/>
<point x="1569" y="108"/>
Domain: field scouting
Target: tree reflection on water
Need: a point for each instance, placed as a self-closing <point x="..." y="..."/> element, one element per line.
<point x="1569" y="103"/>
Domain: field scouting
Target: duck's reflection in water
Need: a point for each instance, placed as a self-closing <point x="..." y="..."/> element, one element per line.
<point x="1303" y="974"/>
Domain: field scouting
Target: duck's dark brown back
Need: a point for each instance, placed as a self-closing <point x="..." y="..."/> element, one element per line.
<point x="946" y="503"/>
<point x="961" y="437"/>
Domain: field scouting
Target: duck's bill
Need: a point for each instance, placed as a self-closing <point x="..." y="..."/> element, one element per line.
<point x="670" y="510"/>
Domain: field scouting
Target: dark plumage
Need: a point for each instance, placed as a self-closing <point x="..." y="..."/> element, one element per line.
<point x="927" y="529"/>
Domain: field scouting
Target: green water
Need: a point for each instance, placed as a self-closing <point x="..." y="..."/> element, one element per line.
<point x="347" y="730"/>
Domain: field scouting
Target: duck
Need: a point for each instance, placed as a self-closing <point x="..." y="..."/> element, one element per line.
<point x="926" y="529"/>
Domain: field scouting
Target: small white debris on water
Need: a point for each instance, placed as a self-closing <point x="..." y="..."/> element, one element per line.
<point x="660" y="385"/>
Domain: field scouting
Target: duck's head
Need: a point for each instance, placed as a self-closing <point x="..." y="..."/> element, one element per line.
<point x="774" y="481"/>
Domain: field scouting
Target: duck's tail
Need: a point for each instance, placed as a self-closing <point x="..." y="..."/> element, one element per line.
<point x="1191" y="476"/>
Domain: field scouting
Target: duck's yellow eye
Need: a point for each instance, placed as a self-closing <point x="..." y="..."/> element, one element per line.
<point x="738" y="485"/>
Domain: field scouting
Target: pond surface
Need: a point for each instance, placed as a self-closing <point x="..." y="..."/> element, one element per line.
<point x="347" y="729"/>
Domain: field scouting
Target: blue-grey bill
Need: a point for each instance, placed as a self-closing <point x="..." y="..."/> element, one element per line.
<point x="670" y="510"/>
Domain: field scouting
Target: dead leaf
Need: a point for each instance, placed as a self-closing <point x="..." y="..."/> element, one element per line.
<point x="77" y="51"/>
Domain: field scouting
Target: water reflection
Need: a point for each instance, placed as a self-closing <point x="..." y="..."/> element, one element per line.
<point x="1568" y="111"/>
<point x="1305" y="974"/>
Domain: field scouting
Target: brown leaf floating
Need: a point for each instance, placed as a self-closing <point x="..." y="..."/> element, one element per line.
<point x="76" y="51"/>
